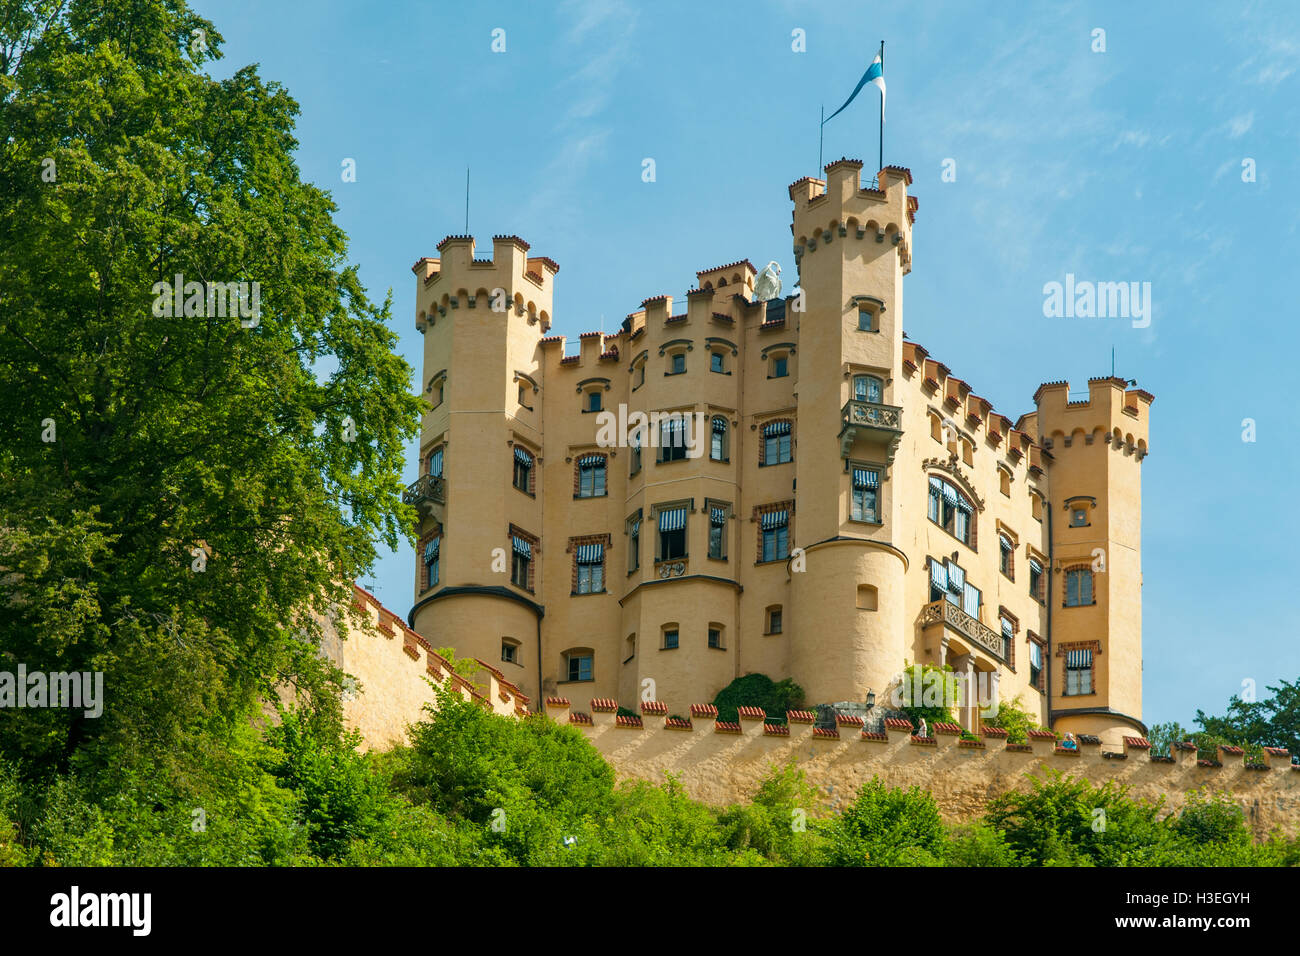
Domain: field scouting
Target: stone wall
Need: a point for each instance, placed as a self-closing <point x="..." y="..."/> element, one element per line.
<point x="721" y="763"/>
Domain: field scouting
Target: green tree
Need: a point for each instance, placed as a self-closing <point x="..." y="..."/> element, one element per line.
<point x="184" y="497"/>
<point x="886" y="827"/>
<point x="1012" y="718"/>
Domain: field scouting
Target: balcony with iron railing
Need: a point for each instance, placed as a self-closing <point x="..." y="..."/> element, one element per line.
<point x="952" y="616"/>
<point x="425" y="493"/>
<point x="871" y="421"/>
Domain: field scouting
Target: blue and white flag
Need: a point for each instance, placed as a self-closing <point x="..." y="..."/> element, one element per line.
<point x="876" y="75"/>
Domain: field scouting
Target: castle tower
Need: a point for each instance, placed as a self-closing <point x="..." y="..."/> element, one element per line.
<point x="482" y="321"/>
<point x="853" y="247"/>
<point x="1095" y="534"/>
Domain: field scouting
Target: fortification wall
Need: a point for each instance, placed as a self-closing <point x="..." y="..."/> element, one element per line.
<point x="721" y="763"/>
<point x="392" y="667"/>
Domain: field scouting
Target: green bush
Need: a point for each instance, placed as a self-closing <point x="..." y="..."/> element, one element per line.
<point x="759" y="690"/>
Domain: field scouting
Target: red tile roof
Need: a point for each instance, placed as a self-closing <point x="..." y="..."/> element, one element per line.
<point x="751" y="713"/>
<point x="800" y="716"/>
<point x="653" y="707"/>
<point x="924" y="741"/>
<point x="993" y="732"/>
<point x="848" y="720"/>
<point x="946" y="728"/>
<point x="1041" y="735"/>
<point x="978" y="744"/>
<point x="604" y="705"/>
<point x="1232" y="750"/>
<point x="1277" y="751"/>
<point x="826" y="732"/>
<point x="703" y="710"/>
<point x="726" y="727"/>
<point x="1137" y="743"/>
<point x="867" y="735"/>
<point x="515" y="239"/>
<point x="557" y="702"/>
<point x="577" y="717"/>
<point x="1020" y="748"/>
<point x="898" y="723"/>
<point x="623" y="720"/>
<point x="776" y="730"/>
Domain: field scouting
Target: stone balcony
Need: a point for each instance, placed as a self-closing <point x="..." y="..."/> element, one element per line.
<point x="871" y="422"/>
<point x="950" y="616"/>
<point x="426" y="493"/>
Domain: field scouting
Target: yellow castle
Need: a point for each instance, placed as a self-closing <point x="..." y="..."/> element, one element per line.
<point x="764" y="484"/>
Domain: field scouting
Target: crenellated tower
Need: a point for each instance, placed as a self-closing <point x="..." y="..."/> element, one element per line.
<point x="853" y="245"/>
<point x="1094" y="514"/>
<point x="482" y="321"/>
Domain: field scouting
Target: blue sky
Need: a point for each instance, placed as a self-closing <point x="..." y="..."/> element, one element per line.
<point x="1124" y="165"/>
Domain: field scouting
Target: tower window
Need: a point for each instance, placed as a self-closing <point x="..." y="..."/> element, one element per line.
<point x="866" y="320"/>
<point x="435" y="463"/>
<point x="672" y="438"/>
<point x="1078" y="672"/>
<point x="774" y="532"/>
<point x="774" y="619"/>
<point x="509" y="651"/>
<point x="594" y="400"/>
<point x="521" y="563"/>
<point x="591" y="476"/>
<point x="717" y="532"/>
<point x="432" y="561"/>
<point x="523" y="470"/>
<point x="867" y="388"/>
<point x="589" y="568"/>
<point x="780" y="367"/>
<point x="718" y="439"/>
<point x="866" y="486"/>
<point x="715" y="636"/>
<point x="677" y="363"/>
<point x="1078" y="517"/>
<point x="716" y="362"/>
<point x="1078" y="587"/>
<point x="672" y="533"/>
<point x="670" y="638"/>
<point x="776" y="443"/>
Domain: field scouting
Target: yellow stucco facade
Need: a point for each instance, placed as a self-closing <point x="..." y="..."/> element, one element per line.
<point x="853" y="506"/>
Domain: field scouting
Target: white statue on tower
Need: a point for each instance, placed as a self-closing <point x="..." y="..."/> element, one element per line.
<point x="768" y="284"/>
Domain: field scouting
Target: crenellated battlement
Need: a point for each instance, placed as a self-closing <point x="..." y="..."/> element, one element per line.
<point x="1113" y="414"/>
<point x="840" y="208"/>
<point x="723" y="762"/>
<point x="457" y="279"/>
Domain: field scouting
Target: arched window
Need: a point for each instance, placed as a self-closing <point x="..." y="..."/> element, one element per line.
<point x="718" y="440"/>
<point x="951" y="510"/>
<point x="867" y="388"/>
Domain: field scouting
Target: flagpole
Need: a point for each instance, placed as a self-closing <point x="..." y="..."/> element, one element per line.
<point x="882" y="113"/>
<point x="821" y="130"/>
